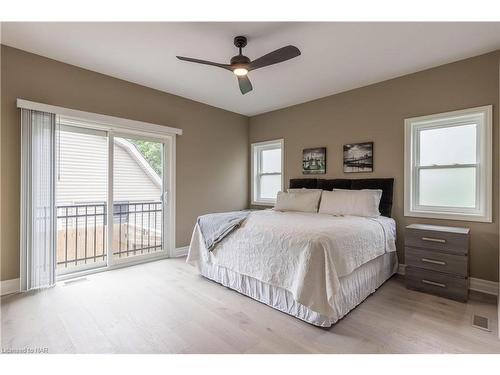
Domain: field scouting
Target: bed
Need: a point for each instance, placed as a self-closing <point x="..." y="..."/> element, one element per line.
<point x="313" y="266"/>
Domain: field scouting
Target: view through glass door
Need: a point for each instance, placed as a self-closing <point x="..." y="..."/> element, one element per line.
<point x="85" y="240"/>
<point x="138" y="210"/>
<point x="81" y="198"/>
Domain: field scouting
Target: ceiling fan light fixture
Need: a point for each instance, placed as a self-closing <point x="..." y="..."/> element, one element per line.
<point x="240" y="64"/>
<point x="240" y="72"/>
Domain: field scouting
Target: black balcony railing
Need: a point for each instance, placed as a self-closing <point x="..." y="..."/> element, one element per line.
<point x="82" y="231"/>
<point x="72" y="222"/>
<point x="139" y="228"/>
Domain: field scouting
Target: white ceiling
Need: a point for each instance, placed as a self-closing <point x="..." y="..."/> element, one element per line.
<point x="335" y="56"/>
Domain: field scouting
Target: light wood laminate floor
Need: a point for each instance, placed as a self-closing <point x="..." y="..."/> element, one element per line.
<point x="166" y="307"/>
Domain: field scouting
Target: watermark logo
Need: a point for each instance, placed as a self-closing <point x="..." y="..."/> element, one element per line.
<point x="26" y="350"/>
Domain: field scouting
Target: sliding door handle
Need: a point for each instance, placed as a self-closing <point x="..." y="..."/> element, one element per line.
<point x="164" y="197"/>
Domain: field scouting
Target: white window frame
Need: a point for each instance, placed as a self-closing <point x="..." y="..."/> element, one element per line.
<point x="256" y="160"/>
<point x="482" y="116"/>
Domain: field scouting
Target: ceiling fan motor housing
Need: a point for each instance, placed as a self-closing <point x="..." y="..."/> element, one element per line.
<point x="239" y="60"/>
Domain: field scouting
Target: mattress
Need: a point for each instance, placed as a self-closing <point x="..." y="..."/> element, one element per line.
<point x="305" y="254"/>
<point x="354" y="288"/>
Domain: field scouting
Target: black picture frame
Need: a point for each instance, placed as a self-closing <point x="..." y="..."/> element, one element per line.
<point x="358" y="157"/>
<point x="314" y="160"/>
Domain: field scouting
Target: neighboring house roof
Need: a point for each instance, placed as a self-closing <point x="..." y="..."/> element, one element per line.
<point x="139" y="158"/>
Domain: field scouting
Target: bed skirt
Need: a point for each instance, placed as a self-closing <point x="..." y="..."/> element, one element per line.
<point x="354" y="289"/>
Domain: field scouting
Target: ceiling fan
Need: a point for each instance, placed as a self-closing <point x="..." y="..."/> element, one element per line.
<point x="240" y="65"/>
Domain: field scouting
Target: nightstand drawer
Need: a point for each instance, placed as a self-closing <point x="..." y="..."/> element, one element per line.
<point x="437" y="261"/>
<point x="437" y="240"/>
<point x="438" y="283"/>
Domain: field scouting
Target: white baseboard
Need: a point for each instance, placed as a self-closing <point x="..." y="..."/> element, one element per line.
<point x="180" y="252"/>
<point x="10" y="286"/>
<point x="484" y="286"/>
<point x="479" y="285"/>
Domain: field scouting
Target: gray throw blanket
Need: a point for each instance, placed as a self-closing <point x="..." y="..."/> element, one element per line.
<point x="215" y="227"/>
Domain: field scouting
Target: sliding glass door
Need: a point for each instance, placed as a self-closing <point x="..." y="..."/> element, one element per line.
<point x="138" y="191"/>
<point x="81" y="198"/>
<point x="111" y="191"/>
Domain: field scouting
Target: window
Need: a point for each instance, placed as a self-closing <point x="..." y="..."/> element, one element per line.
<point x="448" y="165"/>
<point x="267" y="167"/>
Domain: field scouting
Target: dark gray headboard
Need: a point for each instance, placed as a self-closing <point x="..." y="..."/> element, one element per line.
<point x="384" y="184"/>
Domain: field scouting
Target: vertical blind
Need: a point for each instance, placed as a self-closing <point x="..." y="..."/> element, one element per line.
<point x="38" y="219"/>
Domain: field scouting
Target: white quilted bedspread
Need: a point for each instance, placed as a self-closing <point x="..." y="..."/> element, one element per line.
<point x="304" y="253"/>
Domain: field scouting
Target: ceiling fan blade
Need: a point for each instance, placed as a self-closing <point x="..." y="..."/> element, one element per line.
<point x="280" y="55"/>
<point x="245" y="84"/>
<point x="224" y="66"/>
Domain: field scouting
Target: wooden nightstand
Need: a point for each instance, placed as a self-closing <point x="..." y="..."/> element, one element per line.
<point x="437" y="260"/>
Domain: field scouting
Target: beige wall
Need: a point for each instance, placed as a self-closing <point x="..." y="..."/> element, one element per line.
<point x="212" y="153"/>
<point x="376" y="113"/>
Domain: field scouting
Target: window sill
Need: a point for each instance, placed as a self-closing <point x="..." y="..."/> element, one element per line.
<point x="449" y="216"/>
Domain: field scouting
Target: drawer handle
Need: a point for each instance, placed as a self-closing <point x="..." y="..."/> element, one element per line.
<point x="430" y="239"/>
<point x="433" y="283"/>
<point x="427" y="260"/>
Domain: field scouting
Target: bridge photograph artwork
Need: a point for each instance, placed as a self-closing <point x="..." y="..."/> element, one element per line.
<point x="358" y="157"/>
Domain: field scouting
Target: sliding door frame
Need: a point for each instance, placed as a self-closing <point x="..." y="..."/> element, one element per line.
<point x="168" y="246"/>
<point x="116" y="125"/>
<point x="112" y="125"/>
<point x="168" y="197"/>
<point x="67" y="273"/>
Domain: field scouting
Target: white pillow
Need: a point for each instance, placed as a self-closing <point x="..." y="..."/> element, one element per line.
<point x="302" y="190"/>
<point x="351" y="202"/>
<point x="301" y="202"/>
